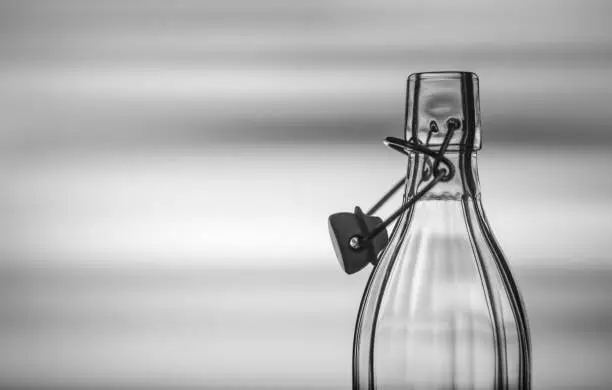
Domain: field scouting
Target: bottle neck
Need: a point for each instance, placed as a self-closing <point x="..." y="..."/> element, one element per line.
<point x="463" y="184"/>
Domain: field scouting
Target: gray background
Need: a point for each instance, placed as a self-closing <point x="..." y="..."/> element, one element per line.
<point x="167" y="170"/>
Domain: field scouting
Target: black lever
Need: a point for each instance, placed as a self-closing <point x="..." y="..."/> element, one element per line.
<point x="358" y="238"/>
<point x="347" y="231"/>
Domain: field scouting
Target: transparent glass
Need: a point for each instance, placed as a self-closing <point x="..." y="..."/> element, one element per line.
<point x="441" y="309"/>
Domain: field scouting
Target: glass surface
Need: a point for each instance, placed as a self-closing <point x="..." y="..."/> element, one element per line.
<point x="441" y="309"/>
<point x="436" y="97"/>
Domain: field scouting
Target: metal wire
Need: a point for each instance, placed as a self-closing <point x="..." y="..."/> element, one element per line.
<point x="386" y="197"/>
<point x="408" y="148"/>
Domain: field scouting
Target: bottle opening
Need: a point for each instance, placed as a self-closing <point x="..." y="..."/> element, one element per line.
<point x="435" y="99"/>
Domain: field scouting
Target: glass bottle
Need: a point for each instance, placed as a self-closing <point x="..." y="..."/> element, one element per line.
<point x="441" y="309"/>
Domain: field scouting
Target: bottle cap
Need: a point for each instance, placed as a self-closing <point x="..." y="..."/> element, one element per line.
<point x="347" y="231"/>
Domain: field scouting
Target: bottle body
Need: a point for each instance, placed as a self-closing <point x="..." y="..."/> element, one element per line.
<point x="441" y="309"/>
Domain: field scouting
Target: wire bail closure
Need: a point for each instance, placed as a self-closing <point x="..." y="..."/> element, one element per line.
<point x="359" y="237"/>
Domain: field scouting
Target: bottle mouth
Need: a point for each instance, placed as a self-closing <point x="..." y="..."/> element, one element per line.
<point x="434" y="99"/>
<point x="441" y="75"/>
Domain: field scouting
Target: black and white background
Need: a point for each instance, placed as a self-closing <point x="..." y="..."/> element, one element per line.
<point x="167" y="169"/>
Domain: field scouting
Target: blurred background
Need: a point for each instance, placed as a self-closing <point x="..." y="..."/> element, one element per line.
<point x="167" y="169"/>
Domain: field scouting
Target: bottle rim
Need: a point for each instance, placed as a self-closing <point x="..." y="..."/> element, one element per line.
<point x="449" y="74"/>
